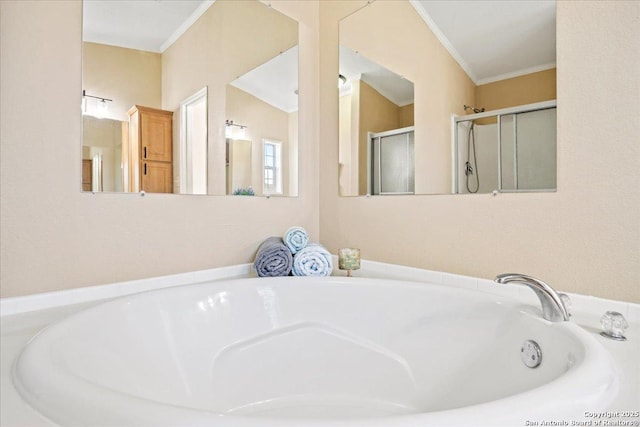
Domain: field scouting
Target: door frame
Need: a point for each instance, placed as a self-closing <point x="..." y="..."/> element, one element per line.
<point x="186" y="184"/>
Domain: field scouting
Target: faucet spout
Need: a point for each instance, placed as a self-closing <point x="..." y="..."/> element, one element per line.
<point x="553" y="309"/>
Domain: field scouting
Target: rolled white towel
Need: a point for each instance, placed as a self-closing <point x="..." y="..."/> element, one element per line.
<point x="313" y="260"/>
<point x="296" y="238"/>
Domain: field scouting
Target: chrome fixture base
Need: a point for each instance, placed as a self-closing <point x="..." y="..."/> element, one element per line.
<point x="613" y="337"/>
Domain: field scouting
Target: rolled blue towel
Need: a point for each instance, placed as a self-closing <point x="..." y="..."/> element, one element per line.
<point x="273" y="258"/>
<point x="296" y="238"/>
<point x="313" y="260"/>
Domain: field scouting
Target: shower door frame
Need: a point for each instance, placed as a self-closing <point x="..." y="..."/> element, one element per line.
<point x="371" y="166"/>
<point x="455" y="169"/>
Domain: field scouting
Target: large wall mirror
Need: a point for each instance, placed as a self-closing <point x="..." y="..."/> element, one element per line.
<point x="189" y="97"/>
<point x="447" y="97"/>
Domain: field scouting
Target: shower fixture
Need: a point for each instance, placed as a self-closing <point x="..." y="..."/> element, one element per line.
<point x="469" y="169"/>
<point x="474" y="109"/>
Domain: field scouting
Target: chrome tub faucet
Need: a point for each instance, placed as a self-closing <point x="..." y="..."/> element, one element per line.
<point x="553" y="308"/>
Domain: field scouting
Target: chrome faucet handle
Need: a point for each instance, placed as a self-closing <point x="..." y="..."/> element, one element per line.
<point x="614" y="325"/>
<point x="553" y="308"/>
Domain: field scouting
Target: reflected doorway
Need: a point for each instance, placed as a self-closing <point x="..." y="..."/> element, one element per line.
<point x="193" y="144"/>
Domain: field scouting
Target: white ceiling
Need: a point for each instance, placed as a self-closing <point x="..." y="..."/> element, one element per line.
<point x="274" y="82"/>
<point x="150" y="25"/>
<point x="494" y="39"/>
<point x="490" y="39"/>
<point x="354" y="66"/>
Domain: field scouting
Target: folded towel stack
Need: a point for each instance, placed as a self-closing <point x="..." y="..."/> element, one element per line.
<point x="273" y="258"/>
<point x="313" y="260"/>
<point x="292" y="254"/>
<point x="296" y="238"/>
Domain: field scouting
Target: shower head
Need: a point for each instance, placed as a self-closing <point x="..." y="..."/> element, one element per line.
<point x="474" y="109"/>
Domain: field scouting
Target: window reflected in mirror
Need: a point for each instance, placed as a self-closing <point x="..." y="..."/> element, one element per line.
<point x="460" y="64"/>
<point x="272" y="167"/>
<point x="158" y="97"/>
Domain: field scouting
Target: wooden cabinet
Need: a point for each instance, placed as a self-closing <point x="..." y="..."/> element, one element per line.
<point x="87" y="175"/>
<point x="157" y="177"/>
<point x="150" y="151"/>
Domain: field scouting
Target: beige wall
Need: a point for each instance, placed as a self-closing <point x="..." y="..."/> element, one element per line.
<point x="239" y="172"/>
<point x="407" y="117"/>
<point x="347" y="182"/>
<point x="527" y="89"/>
<point x="55" y="237"/>
<point x="521" y="90"/>
<point x="127" y="76"/>
<point x="292" y="168"/>
<point x="584" y="238"/>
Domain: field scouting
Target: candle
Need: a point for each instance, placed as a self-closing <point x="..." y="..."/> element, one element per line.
<point x="349" y="259"/>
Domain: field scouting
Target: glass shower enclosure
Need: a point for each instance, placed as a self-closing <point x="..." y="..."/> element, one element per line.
<point x="392" y="162"/>
<point x="508" y="150"/>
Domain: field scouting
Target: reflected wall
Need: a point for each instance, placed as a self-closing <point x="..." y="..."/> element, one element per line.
<point x="228" y="41"/>
<point x="393" y="35"/>
<point x="387" y="33"/>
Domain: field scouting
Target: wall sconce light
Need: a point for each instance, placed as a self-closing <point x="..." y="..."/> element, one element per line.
<point x="102" y="106"/>
<point x="228" y="130"/>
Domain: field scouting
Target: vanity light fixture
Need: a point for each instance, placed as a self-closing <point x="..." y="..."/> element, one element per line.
<point x="228" y="130"/>
<point x="103" y="107"/>
<point x="102" y="104"/>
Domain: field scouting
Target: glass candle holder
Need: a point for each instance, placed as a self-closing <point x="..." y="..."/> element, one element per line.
<point x="349" y="259"/>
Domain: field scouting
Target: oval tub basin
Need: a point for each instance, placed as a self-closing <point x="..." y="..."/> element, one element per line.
<point x="311" y="352"/>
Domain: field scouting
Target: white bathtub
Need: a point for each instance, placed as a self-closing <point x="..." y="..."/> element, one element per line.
<point x="311" y="352"/>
